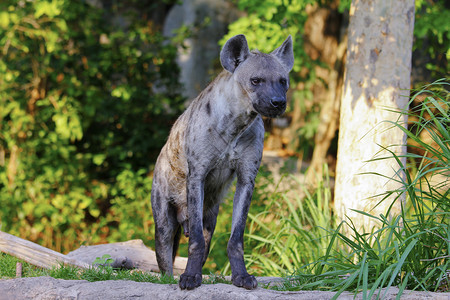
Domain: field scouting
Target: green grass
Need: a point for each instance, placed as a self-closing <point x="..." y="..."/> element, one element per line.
<point x="100" y="273"/>
<point x="8" y="267"/>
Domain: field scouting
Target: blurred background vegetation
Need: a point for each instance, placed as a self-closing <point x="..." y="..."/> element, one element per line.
<point x="90" y="89"/>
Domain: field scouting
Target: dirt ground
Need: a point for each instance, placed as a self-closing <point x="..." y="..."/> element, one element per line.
<point x="49" y="288"/>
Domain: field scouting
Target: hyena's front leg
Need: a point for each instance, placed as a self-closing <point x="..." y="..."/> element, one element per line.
<point x="235" y="249"/>
<point x="192" y="276"/>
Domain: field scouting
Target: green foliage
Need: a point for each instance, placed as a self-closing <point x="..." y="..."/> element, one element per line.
<point x="131" y="208"/>
<point x="104" y="260"/>
<point x="86" y="104"/>
<point x="432" y="33"/>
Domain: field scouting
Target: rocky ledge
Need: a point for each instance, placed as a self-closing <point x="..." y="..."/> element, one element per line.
<point x="49" y="288"/>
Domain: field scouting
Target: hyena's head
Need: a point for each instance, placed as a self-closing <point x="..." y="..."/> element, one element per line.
<point x="264" y="78"/>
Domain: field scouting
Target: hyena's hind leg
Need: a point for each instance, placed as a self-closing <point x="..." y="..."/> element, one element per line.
<point x="167" y="233"/>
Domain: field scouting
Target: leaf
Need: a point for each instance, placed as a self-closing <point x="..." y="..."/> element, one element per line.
<point x="4" y="20"/>
<point x="51" y="9"/>
<point x="98" y="159"/>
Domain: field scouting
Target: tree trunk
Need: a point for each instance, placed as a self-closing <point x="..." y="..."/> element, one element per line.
<point x="377" y="80"/>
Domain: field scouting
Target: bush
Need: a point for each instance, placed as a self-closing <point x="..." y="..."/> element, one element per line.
<point x="88" y="96"/>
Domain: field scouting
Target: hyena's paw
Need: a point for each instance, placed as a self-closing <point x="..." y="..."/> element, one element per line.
<point x="246" y="281"/>
<point x="190" y="282"/>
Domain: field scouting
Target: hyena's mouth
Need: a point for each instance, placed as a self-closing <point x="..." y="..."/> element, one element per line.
<point x="267" y="109"/>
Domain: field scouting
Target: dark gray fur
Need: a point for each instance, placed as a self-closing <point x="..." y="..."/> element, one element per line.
<point x="218" y="137"/>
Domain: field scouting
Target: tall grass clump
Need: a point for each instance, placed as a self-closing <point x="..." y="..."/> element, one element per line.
<point x="410" y="251"/>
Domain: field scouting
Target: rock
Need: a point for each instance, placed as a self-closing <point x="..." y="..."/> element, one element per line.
<point x="49" y="288"/>
<point x="130" y="254"/>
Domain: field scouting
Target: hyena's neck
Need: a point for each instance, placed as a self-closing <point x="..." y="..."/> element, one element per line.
<point x="230" y="105"/>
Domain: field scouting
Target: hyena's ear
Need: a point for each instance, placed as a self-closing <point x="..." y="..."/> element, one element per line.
<point x="285" y="53"/>
<point x="234" y="52"/>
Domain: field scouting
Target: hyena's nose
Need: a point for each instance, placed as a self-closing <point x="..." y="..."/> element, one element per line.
<point x="278" y="101"/>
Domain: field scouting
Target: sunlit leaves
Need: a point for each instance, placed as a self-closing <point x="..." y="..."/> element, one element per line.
<point x="4" y="19"/>
<point x="49" y="8"/>
<point x="121" y="92"/>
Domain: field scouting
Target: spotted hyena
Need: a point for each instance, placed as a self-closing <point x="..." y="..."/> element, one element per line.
<point x="218" y="138"/>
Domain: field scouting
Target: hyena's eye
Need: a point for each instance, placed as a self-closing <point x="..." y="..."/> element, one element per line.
<point x="283" y="81"/>
<point x="256" y="81"/>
